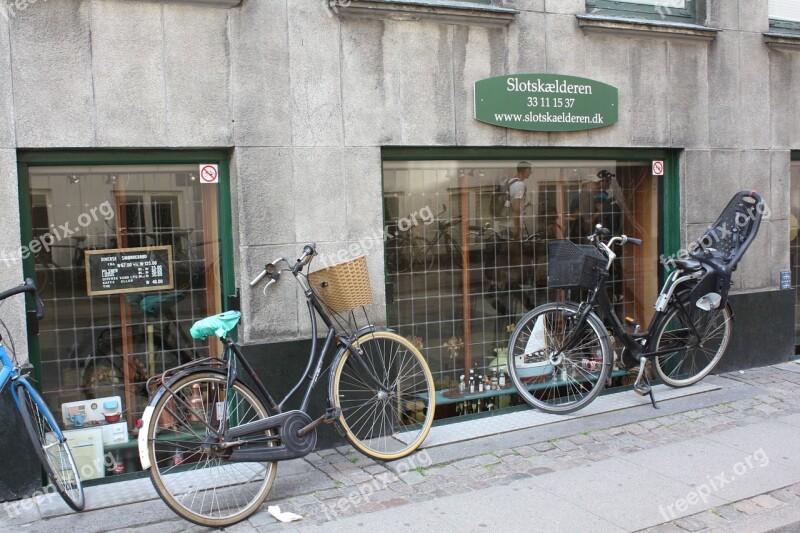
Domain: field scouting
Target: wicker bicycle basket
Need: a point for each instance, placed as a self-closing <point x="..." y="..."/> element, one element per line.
<point x="570" y="265"/>
<point x="343" y="286"/>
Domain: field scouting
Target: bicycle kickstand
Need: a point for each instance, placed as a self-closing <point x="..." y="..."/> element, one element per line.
<point x="645" y="388"/>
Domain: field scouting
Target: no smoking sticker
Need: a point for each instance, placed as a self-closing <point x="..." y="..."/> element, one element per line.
<point x="209" y="173"/>
<point x="658" y="168"/>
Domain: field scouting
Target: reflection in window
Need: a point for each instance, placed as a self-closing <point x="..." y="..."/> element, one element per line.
<point x="466" y="251"/>
<point x="784" y="14"/>
<point x="666" y="10"/>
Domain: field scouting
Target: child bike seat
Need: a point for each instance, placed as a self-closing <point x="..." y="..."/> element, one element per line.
<point x="218" y="325"/>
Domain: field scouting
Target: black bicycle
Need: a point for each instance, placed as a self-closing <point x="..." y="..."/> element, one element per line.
<point x="211" y="442"/>
<point x="560" y="355"/>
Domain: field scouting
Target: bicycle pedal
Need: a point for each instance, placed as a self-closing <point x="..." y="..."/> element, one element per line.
<point x="332" y="414"/>
<point x="642" y="389"/>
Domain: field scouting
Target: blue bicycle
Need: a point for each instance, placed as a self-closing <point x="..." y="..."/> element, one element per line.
<point x="49" y="442"/>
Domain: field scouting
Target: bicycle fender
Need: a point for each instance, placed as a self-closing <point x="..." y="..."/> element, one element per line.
<point x="147" y="416"/>
<point x="142" y="437"/>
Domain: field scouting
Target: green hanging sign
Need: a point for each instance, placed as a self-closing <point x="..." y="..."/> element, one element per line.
<point x="545" y="102"/>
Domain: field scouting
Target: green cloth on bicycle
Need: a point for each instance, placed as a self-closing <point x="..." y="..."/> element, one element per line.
<point x="218" y="325"/>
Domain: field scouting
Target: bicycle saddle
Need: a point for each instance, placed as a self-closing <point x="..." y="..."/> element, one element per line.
<point x="688" y="265"/>
<point x="218" y="325"/>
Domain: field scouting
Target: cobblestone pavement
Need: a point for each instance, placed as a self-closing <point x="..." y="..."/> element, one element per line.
<point x="359" y="485"/>
<point x="364" y="486"/>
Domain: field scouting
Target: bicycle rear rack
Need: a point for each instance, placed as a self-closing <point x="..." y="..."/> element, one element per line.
<point x="156" y="381"/>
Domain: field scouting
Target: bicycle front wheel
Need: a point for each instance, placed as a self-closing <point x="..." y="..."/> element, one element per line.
<point x="556" y="366"/>
<point x="386" y="393"/>
<point x="189" y="468"/>
<point x="52" y="451"/>
<point x="699" y="339"/>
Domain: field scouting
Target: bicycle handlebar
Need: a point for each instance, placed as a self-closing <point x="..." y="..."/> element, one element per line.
<point x="274" y="273"/>
<point x="28" y="286"/>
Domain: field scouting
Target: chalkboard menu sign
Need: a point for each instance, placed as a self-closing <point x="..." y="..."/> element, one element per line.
<point x="128" y="270"/>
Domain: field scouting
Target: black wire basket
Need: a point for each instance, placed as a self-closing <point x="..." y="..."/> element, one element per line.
<point x="573" y="266"/>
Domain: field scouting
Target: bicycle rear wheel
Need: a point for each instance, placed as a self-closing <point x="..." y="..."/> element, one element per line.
<point x="189" y="471"/>
<point x="695" y="356"/>
<point x="387" y="407"/>
<point x="554" y="366"/>
<point x="53" y="452"/>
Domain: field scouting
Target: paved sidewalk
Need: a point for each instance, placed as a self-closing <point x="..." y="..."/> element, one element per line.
<point x="725" y="459"/>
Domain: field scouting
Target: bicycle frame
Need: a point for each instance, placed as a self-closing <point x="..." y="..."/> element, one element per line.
<point x="234" y="357"/>
<point x="10" y="373"/>
<point x="637" y="344"/>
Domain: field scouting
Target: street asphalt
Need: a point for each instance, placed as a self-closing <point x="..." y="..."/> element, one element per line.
<point x="722" y="457"/>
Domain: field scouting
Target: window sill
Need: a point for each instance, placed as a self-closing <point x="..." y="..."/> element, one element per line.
<point x="646" y="27"/>
<point x="782" y="41"/>
<point x="442" y="11"/>
<point x="206" y="3"/>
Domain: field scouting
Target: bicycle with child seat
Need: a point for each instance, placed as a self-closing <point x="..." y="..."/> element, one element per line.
<point x="560" y="355"/>
<point x="48" y="439"/>
<point x="211" y="441"/>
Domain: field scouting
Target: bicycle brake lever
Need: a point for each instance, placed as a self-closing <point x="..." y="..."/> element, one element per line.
<point x="273" y="280"/>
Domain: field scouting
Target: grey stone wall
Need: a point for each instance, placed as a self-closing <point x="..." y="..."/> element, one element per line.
<point x="306" y="100"/>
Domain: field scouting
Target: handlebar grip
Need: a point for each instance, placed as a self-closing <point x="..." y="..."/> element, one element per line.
<point x="637" y="242"/>
<point x="258" y="278"/>
<point x="37" y="300"/>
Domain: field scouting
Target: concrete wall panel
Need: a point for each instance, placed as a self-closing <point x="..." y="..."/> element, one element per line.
<point x="265" y="196"/>
<point x="260" y="74"/>
<point x="315" y="91"/>
<point x="419" y="55"/>
<point x="649" y="93"/>
<point x="12" y="311"/>
<point x="696" y="187"/>
<point x="724" y="15"/>
<point x="371" y="114"/>
<point x="754" y="15"/>
<point x="688" y="94"/>
<point x="478" y="53"/>
<point x="724" y="118"/>
<point x="784" y="115"/>
<point x="197" y="75"/>
<point x="130" y="102"/>
<point x="53" y="94"/>
<point x="8" y="137"/>
<point x="572" y="7"/>
<point x="752" y="114"/>
<point x="319" y="202"/>
<point x="780" y="188"/>
<point x="607" y="60"/>
<point x="755" y="172"/>
<point x="363" y="196"/>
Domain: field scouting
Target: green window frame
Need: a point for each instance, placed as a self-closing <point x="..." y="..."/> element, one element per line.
<point x="665" y="10"/>
<point x="28" y="159"/>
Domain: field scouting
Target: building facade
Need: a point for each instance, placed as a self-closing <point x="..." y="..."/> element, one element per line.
<point x="227" y="133"/>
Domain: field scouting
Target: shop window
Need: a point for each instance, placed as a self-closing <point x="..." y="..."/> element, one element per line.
<point x="784" y="15"/>
<point x="665" y="10"/>
<point x="794" y="242"/>
<point x="466" y="253"/>
<point x="100" y="344"/>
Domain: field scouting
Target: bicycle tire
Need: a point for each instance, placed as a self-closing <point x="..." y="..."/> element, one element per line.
<point x="682" y="370"/>
<point x="194" y="480"/>
<point x="53" y="452"/>
<point x="552" y="380"/>
<point x="391" y="423"/>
